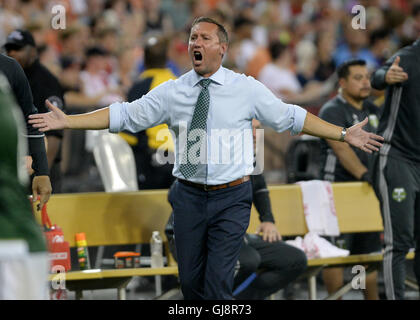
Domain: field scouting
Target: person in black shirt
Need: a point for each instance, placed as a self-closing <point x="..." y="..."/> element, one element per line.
<point x="21" y="46"/>
<point x="342" y="163"/>
<point x="348" y="107"/>
<point x="397" y="167"/>
<point x="41" y="184"/>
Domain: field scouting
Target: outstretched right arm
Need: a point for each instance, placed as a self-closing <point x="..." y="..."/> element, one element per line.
<point x="146" y="112"/>
<point x="57" y="119"/>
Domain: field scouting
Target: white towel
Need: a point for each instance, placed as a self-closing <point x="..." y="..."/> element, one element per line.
<point x="319" y="208"/>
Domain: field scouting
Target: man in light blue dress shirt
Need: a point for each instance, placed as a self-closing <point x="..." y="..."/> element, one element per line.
<point x="213" y="195"/>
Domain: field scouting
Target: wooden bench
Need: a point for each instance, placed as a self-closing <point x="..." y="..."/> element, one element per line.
<point x="131" y="217"/>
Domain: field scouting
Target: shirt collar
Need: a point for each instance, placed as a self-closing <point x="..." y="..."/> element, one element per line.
<point x="218" y="77"/>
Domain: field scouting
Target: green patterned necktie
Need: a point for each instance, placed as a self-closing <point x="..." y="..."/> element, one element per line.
<point x="198" y="122"/>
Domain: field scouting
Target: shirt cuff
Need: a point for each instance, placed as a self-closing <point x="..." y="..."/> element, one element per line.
<point x="299" y="120"/>
<point x="115" y="117"/>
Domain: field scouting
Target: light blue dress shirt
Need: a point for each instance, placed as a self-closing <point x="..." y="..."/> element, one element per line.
<point x="235" y="99"/>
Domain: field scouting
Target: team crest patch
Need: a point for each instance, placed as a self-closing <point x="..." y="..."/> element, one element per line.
<point x="373" y="121"/>
<point x="399" y="194"/>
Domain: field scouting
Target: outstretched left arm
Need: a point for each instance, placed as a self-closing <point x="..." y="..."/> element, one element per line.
<point x="355" y="135"/>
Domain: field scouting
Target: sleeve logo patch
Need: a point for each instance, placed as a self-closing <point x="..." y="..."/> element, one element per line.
<point x="399" y="194"/>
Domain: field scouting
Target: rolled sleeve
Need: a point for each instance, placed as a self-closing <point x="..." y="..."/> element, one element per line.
<point x="299" y="119"/>
<point x="115" y="117"/>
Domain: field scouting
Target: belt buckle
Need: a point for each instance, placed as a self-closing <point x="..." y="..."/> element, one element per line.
<point x="205" y="188"/>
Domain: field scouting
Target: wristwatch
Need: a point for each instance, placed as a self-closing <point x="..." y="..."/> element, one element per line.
<point x="343" y="134"/>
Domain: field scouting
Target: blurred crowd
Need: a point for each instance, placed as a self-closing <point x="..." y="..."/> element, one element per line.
<point x="293" y="47"/>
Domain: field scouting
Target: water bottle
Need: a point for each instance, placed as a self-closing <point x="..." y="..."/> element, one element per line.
<point x="156" y="250"/>
<point x="82" y="251"/>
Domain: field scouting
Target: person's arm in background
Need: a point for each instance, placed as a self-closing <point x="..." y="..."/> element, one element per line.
<point x="345" y="154"/>
<point x="349" y="160"/>
<point x="262" y="203"/>
<point x="314" y="94"/>
<point x="29" y="158"/>
<point x="390" y="73"/>
<point x="41" y="184"/>
<point x="79" y="99"/>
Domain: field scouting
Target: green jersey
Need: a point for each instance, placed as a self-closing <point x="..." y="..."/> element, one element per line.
<point x="16" y="219"/>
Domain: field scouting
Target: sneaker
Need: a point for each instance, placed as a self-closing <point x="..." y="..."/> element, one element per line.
<point x="317" y="247"/>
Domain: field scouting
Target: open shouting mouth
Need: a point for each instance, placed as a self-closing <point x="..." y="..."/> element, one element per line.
<point x="197" y="57"/>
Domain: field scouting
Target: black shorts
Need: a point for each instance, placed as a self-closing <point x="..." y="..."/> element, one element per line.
<point x="358" y="243"/>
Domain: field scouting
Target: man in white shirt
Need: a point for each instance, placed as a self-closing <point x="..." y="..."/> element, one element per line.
<point x="213" y="195"/>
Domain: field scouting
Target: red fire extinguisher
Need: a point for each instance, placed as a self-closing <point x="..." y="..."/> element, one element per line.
<point x="59" y="250"/>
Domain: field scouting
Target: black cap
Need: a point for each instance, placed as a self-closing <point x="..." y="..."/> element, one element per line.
<point x="17" y="39"/>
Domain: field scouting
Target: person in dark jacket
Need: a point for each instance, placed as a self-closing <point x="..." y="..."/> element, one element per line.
<point x="41" y="184"/>
<point x="397" y="167"/>
<point x="21" y="46"/>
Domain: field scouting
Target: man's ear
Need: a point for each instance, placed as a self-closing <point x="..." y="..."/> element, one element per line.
<point x="223" y="49"/>
<point x="342" y="83"/>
